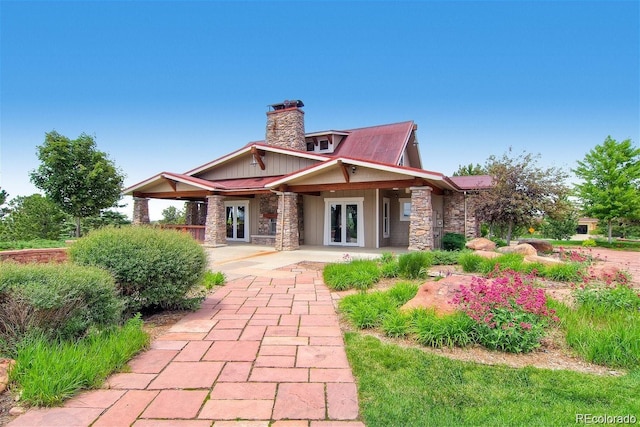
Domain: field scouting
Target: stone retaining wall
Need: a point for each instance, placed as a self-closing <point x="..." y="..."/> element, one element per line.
<point x="25" y="256"/>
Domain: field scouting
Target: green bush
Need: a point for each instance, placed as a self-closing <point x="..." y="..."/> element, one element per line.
<point x="453" y="241"/>
<point x="414" y="265"/>
<point x="212" y="279"/>
<point x="499" y="242"/>
<point x="589" y="243"/>
<point x="359" y="274"/>
<point x="153" y="268"/>
<point x="446" y="257"/>
<point x="57" y="300"/>
<point x="620" y="297"/>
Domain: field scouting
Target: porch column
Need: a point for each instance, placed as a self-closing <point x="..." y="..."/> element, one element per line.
<point x="191" y="213"/>
<point x="421" y="219"/>
<point x="140" y="211"/>
<point x="287" y="233"/>
<point x="215" y="232"/>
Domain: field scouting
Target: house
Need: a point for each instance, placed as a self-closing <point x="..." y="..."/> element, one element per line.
<point x="360" y="187"/>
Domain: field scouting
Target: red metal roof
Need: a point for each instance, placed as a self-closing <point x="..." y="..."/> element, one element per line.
<point x="382" y="144"/>
<point x="472" y="182"/>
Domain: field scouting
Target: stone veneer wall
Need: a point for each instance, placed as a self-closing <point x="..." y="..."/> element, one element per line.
<point x="421" y="220"/>
<point x="215" y="233"/>
<point x="195" y="213"/>
<point x="268" y="210"/>
<point x="454" y="214"/>
<point x="140" y="211"/>
<point x="285" y="128"/>
<point x="287" y="237"/>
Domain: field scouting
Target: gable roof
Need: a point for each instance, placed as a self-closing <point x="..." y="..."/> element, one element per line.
<point x="472" y="182"/>
<point x="382" y="144"/>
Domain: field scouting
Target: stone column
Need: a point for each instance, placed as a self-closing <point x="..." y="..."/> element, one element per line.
<point x="421" y="220"/>
<point x="215" y="232"/>
<point x="140" y="211"/>
<point x="191" y="213"/>
<point x="454" y="212"/>
<point x="287" y="233"/>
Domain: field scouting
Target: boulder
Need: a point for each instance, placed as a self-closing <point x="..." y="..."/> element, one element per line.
<point x="5" y="366"/>
<point x="487" y="254"/>
<point x="438" y="294"/>
<point x="542" y="260"/>
<point x="523" y="249"/>
<point x="542" y="246"/>
<point x="481" y="244"/>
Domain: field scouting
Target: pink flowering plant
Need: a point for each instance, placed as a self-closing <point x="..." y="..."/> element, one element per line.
<point x="511" y="314"/>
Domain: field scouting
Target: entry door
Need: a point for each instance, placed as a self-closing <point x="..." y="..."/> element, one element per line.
<point x="344" y="222"/>
<point x="237" y="219"/>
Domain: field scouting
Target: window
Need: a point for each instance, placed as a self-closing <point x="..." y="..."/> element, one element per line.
<point x="405" y="209"/>
<point x="310" y="146"/>
<point x="344" y="221"/>
<point x="385" y="217"/>
<point x="324" y="145"/>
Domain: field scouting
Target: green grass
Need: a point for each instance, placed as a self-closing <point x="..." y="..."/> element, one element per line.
<point x="359" y="274"/>
<point x="408" y="387"/>
<point x="47" y="372"/>
<point x="31" y="244"/>
<point x="601" y="334"/>
<point x="212" y="279"/>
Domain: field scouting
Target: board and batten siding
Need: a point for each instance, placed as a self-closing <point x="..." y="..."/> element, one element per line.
<point x="242" y="167"/>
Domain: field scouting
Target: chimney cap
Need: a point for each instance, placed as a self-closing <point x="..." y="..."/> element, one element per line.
<point x="287" y="104"/>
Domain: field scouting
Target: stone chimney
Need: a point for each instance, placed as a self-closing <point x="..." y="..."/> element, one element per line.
<point x="285" y="125"/>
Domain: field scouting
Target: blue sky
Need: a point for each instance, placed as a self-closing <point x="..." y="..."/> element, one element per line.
<point x="167" y="86"/>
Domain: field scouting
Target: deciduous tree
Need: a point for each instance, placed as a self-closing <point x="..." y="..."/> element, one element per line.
<point x="78" y="177"/>
<point x="610" y="187"/>
<point x="34" y="217"/>
<point x="521" y="191"/>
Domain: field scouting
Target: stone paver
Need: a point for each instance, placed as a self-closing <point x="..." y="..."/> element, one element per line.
<point x="262" y="351"/>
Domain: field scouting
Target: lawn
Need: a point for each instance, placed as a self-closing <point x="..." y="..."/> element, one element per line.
<point x="408" y="387"/>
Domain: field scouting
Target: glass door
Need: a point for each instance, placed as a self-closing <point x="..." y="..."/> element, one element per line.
<point x="344" y="222"/>
<point x="236" y="217"/>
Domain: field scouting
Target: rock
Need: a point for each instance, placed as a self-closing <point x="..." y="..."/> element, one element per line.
<point x="438" y="294"/>
<point x="606" y="273"/>
<point x="5" y="366"/>
<point x="487" y="254"/>
<point x="523" y="249"/>
<point x="481" y="244"/>
<point x="542" y="246"/>
<point x="17" y="410"/>
<point x="542" y="260"/>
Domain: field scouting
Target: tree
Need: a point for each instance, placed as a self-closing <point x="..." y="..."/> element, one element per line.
<point x="75" y="175"/>
<point x="34" y="217"/>
<point x="470" y="169"/>
<point x="610" y="187"/>
<point x="105" y="218"/>
<point x="521" y="191"/>
<point x="173" y="215"/>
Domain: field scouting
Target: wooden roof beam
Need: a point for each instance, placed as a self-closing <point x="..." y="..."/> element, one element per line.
<point x="173" y="184"/>
<point x="257" y="157"/>
<point x="345" y="171"/>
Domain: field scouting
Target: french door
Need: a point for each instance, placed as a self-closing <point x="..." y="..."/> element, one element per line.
<point x="344" y="222"/>
<point x="237" y="221"/>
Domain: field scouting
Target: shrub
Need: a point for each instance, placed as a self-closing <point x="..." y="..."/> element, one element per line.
<point x="510" y="313"/>
<point x="56" y="300"/>
<point x="445" y="257"/>
<point x="589" y="243"/>
<point x="153" y="268"/>
<point x="499" y="242"/>
<point x="414" y="265"/>
<point x="453" y="241"/>
<point x="360" y="274"/>
<point x="606" y="298"/>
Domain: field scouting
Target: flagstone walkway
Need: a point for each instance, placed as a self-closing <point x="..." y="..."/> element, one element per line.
<point x="261" y="351"/>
